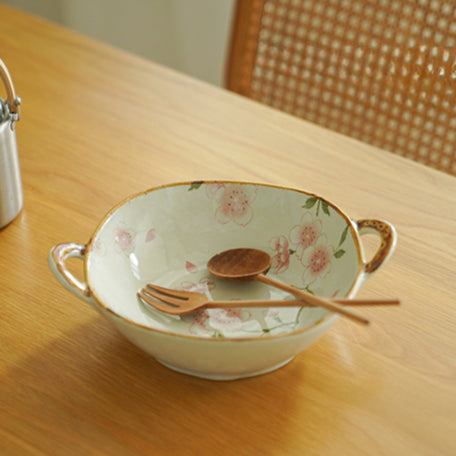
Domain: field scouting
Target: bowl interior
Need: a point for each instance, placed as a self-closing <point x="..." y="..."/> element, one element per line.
<point x="166" y="236"/>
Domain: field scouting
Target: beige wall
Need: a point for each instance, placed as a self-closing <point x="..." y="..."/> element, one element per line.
<point x="187" y="35"/>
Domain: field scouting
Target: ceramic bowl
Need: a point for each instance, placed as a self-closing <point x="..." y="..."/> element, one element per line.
<point x="167" y="234"/>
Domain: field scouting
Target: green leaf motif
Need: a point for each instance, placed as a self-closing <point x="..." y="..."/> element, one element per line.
<point x="325" y="207"/>
<point x="310" y="202"/>
<point x="195" y="185"/>
<point x="343" y="236"/>
<point x="339" y="253"/>
<point x="291" y="251"/>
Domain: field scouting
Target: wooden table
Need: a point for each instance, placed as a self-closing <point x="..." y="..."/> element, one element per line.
<point x="97" y="125"/>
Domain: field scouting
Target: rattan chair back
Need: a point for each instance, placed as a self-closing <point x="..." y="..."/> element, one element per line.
<point x="381" y="71"/>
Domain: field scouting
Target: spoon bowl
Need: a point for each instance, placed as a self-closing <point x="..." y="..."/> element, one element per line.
<point x="239" y="264"/>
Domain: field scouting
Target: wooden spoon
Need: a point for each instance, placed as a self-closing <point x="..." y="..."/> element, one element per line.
<point x="252" y="264"/>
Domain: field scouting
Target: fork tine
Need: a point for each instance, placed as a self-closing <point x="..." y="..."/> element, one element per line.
<point x="167" y="299"/>
<point x="159" y="305"/>
<point x="167" y="291"/>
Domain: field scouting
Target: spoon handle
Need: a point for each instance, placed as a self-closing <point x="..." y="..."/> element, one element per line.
<point x="313" y="300"/>
<point x="298" y="303"/>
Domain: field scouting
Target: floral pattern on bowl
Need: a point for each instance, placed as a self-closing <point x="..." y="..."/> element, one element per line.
<point x="301" y="245"/>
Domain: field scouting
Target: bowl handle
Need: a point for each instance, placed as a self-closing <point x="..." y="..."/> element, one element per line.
<point x="57" y="258"/>
<point x="388" y="237"/>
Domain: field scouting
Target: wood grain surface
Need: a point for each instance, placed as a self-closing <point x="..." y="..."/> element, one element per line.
<point x="97" y="125"/>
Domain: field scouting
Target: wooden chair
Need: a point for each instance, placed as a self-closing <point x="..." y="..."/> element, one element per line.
<point x="382" y="71"/>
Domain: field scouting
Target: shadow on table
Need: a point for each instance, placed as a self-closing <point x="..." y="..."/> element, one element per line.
<point x="91" y="388"/>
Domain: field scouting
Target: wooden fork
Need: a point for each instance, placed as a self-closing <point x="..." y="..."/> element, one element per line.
<point x="178" y="302"/>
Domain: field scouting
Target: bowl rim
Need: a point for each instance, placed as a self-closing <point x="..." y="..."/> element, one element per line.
<point x="327" y="318"/>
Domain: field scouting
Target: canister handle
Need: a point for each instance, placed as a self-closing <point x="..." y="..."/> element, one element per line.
<point x="13" y="100"/>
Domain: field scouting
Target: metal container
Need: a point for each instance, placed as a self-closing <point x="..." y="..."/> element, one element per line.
<point x="11" y="196"/>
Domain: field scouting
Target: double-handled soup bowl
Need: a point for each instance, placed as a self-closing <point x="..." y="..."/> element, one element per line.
<point x="167" y="234"/>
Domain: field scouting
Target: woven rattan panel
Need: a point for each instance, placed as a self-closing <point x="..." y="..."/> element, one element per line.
<point x="382" y="71"/>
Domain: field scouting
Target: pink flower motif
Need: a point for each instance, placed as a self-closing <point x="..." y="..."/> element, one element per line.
<point x="228" y="318"/>
<point x="317" y="261"/>
<point x="198" y="321"/>
<point x="212" y="189"/>
<point x="203" y="286"/>
<point x="216" y="321"/>
<point x="124" y="239"/>
<point x="306" y="234"/>
<point x="150" y="236"/>
<point x="281" y="258"/>
<point x="190" y="267"/>
<point x="98" y="247"/>
<point x="272" y="313"/>
<point x="234" y="204"/>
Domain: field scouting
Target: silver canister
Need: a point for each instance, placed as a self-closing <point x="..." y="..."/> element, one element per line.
<point x="11" y="197"/>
